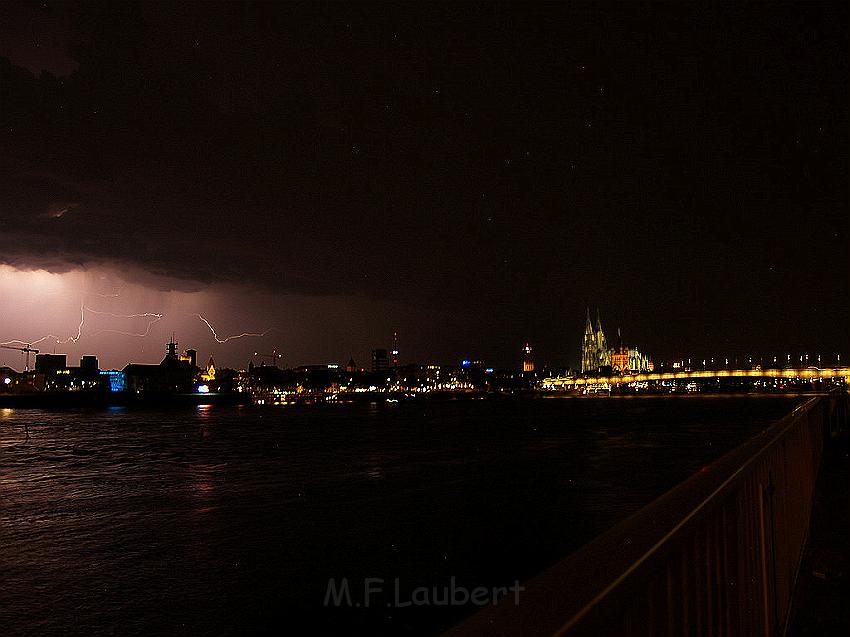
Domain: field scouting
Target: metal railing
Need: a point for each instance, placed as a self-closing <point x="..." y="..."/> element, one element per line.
<point x="716" y="555"/>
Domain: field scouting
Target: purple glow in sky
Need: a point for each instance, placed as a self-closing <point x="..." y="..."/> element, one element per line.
<point x="472" y="176"/>
<point x="127" y="321"/>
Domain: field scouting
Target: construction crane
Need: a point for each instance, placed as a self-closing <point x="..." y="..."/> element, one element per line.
<point x="26" y="349"/>
<point x="274" y="356"/>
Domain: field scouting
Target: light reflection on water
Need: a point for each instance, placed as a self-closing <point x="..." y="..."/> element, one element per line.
<point x="222" y="521"/>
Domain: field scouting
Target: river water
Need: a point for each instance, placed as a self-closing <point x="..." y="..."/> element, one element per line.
<point x="232" y="520"/>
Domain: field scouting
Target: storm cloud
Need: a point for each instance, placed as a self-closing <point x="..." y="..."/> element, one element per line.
<point x="508" y="166"/>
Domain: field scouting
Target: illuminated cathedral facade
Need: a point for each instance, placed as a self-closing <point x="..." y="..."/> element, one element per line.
<point x="598" y="357"/>
<point x="595" y="354"/>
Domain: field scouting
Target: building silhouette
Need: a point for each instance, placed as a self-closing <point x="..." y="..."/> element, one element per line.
<point x="380" y="360"/>
<point x="174" y="374"/>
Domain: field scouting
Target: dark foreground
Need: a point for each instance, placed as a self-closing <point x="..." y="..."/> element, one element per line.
<point x="823" y="585"/>
<point x="226" y="520"/>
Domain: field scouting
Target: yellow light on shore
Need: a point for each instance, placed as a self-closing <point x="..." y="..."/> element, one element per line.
<point x="807" y="373"/>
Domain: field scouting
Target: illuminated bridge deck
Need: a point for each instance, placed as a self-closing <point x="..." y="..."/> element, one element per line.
<point x="808" y="373"/>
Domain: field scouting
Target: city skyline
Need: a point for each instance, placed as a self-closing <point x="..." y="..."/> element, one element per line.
<point x="596" y="353"/>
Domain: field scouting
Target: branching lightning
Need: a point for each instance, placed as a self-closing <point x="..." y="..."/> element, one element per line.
<point x="152" y="318"/>
<point x="229" y="338"/>
<point x="16" y="341"/>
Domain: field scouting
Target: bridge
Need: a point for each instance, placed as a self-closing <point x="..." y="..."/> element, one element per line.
<point x="805" y="374"/>
<point x="717" y="555"/>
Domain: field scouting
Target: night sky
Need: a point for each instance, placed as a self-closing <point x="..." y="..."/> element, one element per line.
<point x="472" y="177"/>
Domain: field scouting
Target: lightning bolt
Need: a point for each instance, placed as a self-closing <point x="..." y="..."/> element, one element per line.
<point x="28" y="343"/>
<point x="229" y="338"/>
<point x="74" y="339"/>
<point x="152" y="317"/>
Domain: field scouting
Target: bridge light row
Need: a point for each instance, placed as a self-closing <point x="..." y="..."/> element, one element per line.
<point x="804" y="359"/>
<point x="808" y="374"/>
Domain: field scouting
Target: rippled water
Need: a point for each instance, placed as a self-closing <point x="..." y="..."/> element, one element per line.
<point x="221" y="521"/>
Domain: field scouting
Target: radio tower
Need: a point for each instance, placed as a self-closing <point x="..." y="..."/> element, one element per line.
<point x="395" y="349"/>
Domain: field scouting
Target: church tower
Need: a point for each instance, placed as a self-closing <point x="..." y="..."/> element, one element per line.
<point x="527" y="361"/>
<point x="588" y="348"/>
<point x="603" y="354"/>
<point x="594" y="349"/>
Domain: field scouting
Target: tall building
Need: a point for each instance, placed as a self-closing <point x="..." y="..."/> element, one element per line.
<point x="89" y="365"/>
<point x="594" y="350"/>
<point x="380" y="361"/>
<point x="603" y="353"/>
<point x="588" y="347"/>
<point x="395" y="349"/>
<point x="527" y="362"/>
<point x="49" y="363"/>
<point x="171" y="350"/>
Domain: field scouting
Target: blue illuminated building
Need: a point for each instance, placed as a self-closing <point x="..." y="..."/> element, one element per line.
<point x="117" y="380"/>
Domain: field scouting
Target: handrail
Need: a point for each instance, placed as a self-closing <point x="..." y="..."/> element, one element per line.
<point x="715" y="552"/>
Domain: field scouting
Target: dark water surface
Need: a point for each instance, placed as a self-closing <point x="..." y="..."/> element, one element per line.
<point x="226" y="521"/>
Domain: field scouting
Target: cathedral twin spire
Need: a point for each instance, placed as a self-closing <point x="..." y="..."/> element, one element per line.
<point x="595" y="352"/>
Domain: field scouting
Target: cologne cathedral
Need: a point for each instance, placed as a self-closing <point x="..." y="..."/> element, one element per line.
<point x="597" y="357"/>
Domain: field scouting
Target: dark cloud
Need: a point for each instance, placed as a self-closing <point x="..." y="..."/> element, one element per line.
<point x="513" y="163"/>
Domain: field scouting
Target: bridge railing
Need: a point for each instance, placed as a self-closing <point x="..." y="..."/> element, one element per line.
<point x="717" y="555"/>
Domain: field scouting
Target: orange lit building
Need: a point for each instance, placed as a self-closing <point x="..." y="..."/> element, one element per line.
<point x="620" y="359"/>
<point x="527" y="362"/>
